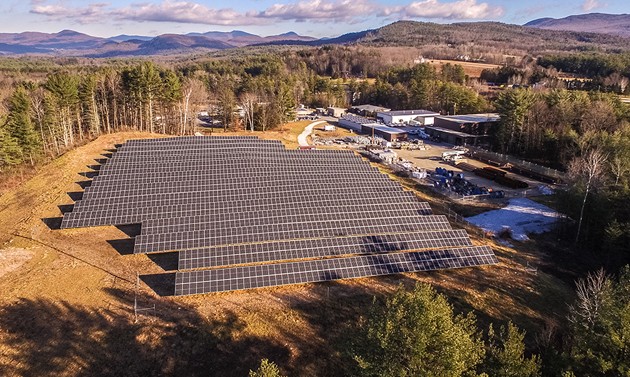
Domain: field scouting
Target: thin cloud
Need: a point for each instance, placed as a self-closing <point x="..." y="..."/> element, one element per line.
<point x="185" y="12"/>
<point x="93" y="13"/>
<point x="458" y="10"/>
<point x="589" y="5"/>
<point x="318" y="10"/>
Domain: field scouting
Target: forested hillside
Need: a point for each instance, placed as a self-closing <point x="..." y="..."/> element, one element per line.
<point x="488" y="41"/>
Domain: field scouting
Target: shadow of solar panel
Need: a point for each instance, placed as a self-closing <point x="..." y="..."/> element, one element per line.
<point x="269" y="275"/>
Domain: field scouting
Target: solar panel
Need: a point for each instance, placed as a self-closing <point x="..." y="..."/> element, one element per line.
<point x="250" y="213"/>
<point x="269" y="275"/>
<point x="318" y="248"/>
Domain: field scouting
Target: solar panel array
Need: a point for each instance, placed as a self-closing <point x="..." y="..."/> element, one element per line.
<point x="243" y="213"/>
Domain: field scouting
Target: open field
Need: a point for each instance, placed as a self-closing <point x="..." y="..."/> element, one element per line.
<point x="68" y="296"/>
<point x="472" y="69"/>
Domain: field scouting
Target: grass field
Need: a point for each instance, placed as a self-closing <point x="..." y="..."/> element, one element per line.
<point x="471" y="69"/>
<point x="67" y="300"/>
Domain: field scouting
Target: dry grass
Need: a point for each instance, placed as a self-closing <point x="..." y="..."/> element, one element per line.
<point x="472" y="69"/>
<point x="68" y="309"/>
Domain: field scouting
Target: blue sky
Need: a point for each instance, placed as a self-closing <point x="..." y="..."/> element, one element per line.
<point x="319" y="18"/>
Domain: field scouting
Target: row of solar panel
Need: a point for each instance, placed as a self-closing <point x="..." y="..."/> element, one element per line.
<point x="240" y="159"/>
<point x="325" y="198"/>
<point x="119" y="215"/>
<point x="244" y="146"/>
<point x="219" y="147"/>
<point x="207" y="152"/>
<point x="193" y="196"/>
<point x="191" y="138"/>
<point x="230" y="157"/>
<point x="207" y="142"/>
<point x="252" y="175"/>
<point x="231" y="188"/>
<point x="236" y="175"/>
<point x="269" y="275"/>
<point x="319" y="248"/>
<point x="249" y="234"/>
<point x="148" y="170"/>
<point x="324" y="221"/>
<point x="417" y="208"/>
<point x="196" y="223"/>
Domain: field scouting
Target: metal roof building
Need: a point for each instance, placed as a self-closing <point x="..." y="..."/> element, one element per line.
<point x="423" y="117"/>
<point x="473" y="124"/>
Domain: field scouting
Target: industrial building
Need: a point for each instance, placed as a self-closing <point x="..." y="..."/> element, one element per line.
<point x="472" y="124"/>
<point x="417" y="117"/>
<point x="336" y="112"/>
<point x="454" y="137"/>
<point x="368" y="126"/>
<point x="386" y="132"/>
<point x="368" y="110"/>
<point x="353" y="122"/>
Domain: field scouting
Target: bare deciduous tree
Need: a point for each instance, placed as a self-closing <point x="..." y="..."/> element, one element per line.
<point x="588" y="170"/>
<point x="619" y="166"/>
<point x="248" y="102"/>
<point x="590" y="296"/>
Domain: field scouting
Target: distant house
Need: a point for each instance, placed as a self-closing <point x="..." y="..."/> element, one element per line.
<point x="417" y="117"/>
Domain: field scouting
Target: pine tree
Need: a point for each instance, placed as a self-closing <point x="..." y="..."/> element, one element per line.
<point x="10" y="152"/>
<point x="19" y="124"/>
<point x="417" y="334"/>
<point x="266" y="369"/>
<point x="505" y="356"/>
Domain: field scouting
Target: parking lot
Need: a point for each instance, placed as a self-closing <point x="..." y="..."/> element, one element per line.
<point x="431" y="158"/>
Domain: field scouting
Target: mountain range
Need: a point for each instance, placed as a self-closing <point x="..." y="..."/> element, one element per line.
<point x="582" y="31"/>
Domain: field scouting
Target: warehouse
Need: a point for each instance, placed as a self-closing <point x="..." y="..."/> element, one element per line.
<point x="417" y="117"/>
<point x="353" y="122"/>
<point x="387" y="133"/>
<point x="368" y="110"/>
<point x="336" y="112"/>
<point x="473" y="124"/>
<point x="454" y="137"/>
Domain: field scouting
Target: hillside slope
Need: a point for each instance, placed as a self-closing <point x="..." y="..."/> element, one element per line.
<point x="490" y="34"/>
<point x="616" y="24"/>
<point x="67" y="309"/>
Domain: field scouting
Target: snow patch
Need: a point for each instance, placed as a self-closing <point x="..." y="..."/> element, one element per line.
<point x="522" y="216"/>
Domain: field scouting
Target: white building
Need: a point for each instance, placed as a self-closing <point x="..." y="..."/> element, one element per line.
<point x="415" y="117"/>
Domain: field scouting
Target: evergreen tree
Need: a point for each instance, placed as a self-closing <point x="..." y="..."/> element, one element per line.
<point x="266" y="369"/>
<point x="10" y="152"/>
<point x="19" y="124"/>
<point x="505" y="355"/>
<point x="417" y="334"/>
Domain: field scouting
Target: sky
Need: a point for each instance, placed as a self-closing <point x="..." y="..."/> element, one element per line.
<point x="317" y="18"/>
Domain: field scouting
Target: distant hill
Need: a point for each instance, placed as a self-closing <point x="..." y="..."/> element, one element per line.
<point x="616" y="24"/>
<point x="68" y="42"/>
<point x="488" y="35"/>
<point x="474" y="38"/>
<point x="65" y="40"/>
<point x="125" y="38"/>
